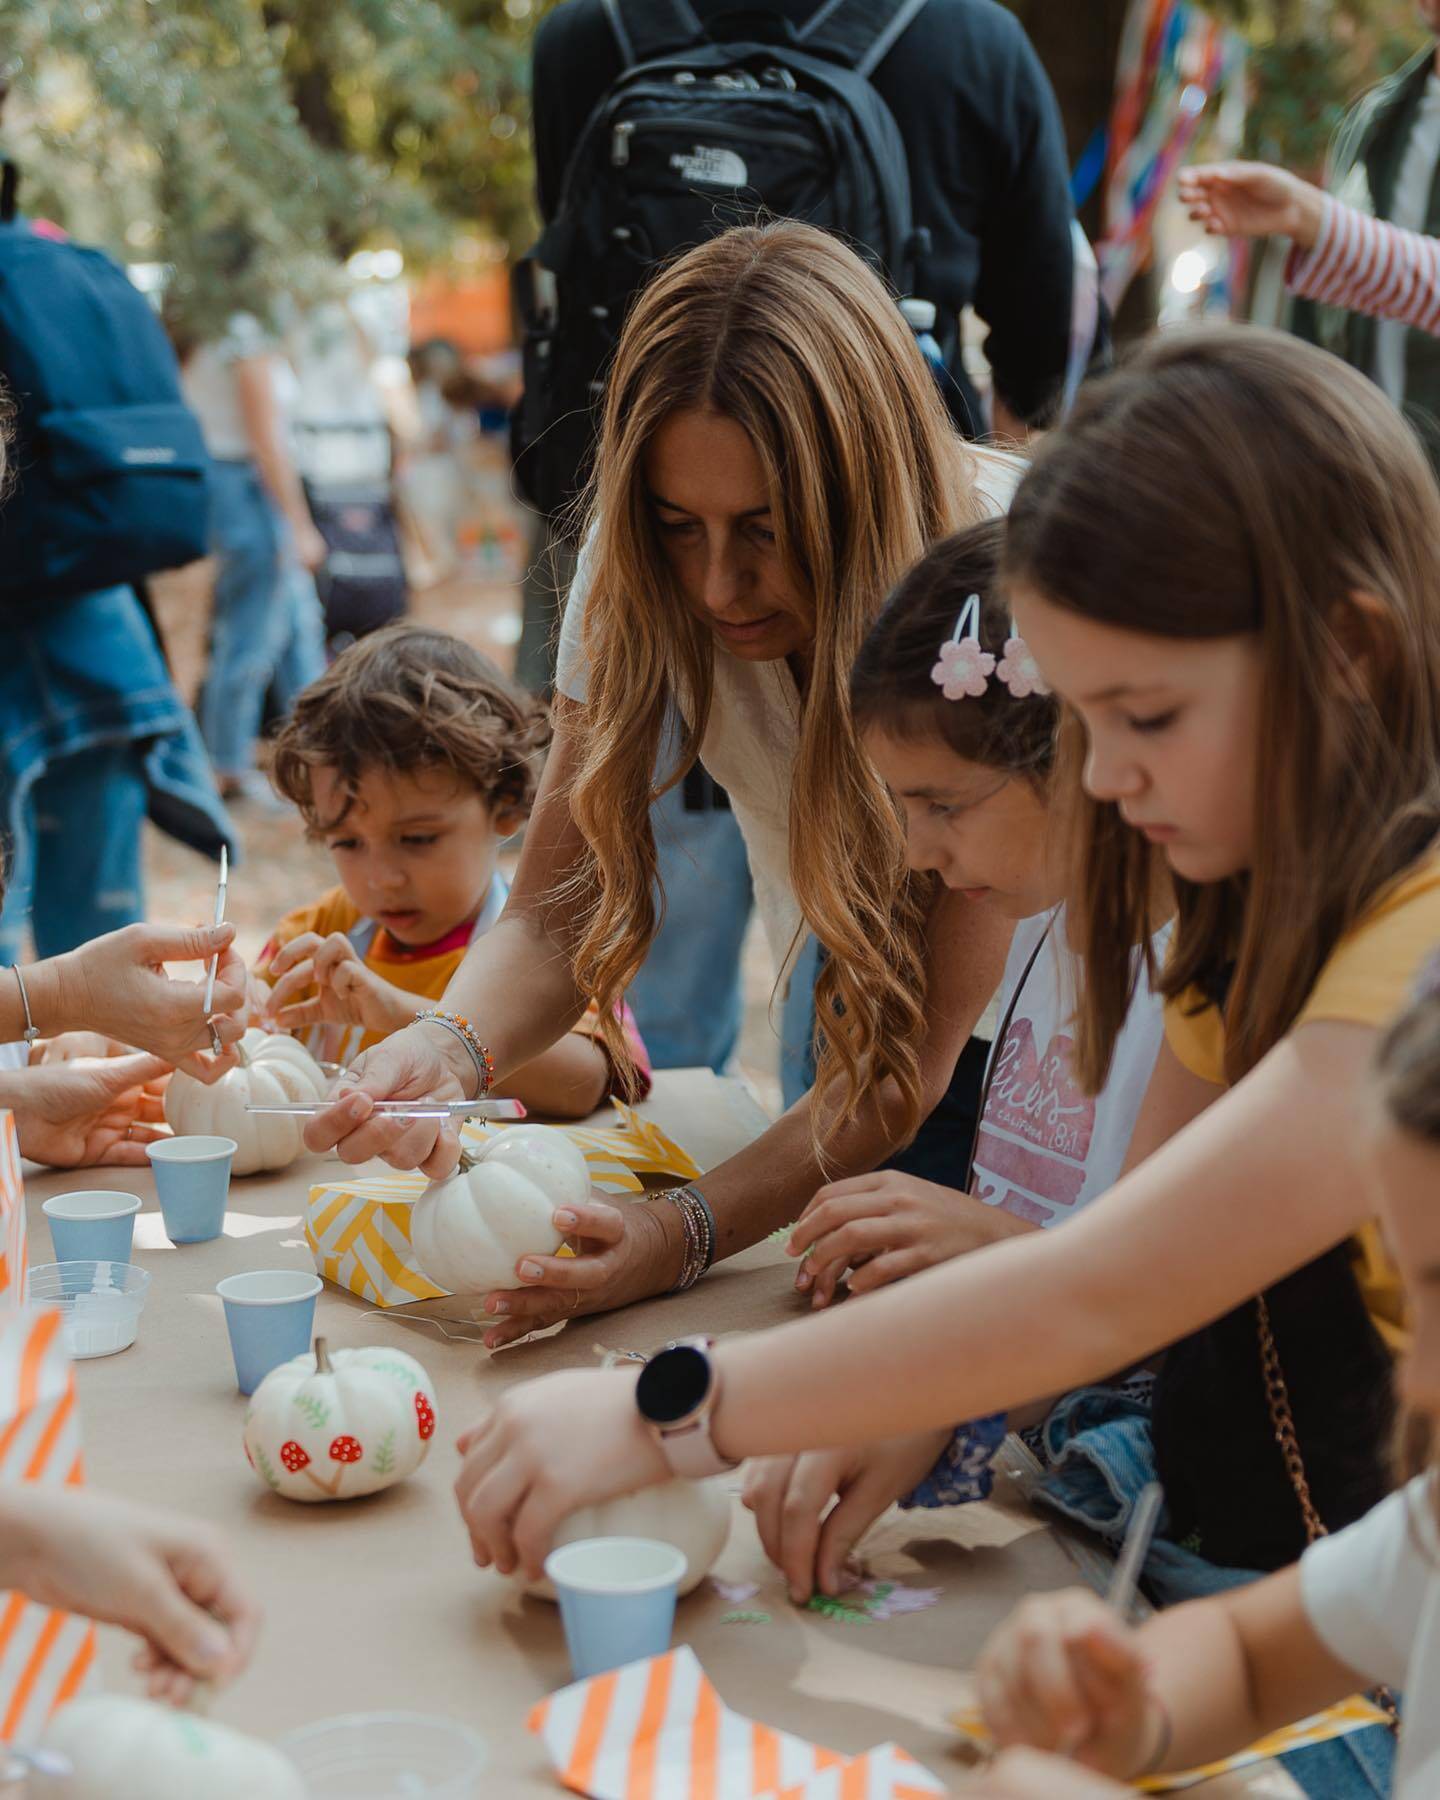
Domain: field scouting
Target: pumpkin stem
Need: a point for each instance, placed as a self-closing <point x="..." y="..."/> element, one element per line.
<point x="468" y="1161"/>
<point x="323" y="1365"/>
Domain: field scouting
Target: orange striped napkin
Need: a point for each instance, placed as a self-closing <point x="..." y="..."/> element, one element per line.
<point x="658" y="1730"/>
<point x="13" y="1262"/>
<point x="45" y="1655"/>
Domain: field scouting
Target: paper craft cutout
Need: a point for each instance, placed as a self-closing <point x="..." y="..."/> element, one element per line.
<point x="734" y="1593"/>
<point x="1354" y="1714"/>
<point x="359" y="1230"/>
<point x="658" y="1730"/>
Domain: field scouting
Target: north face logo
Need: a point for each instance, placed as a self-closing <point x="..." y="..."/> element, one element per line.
<point x="712" y="167"/>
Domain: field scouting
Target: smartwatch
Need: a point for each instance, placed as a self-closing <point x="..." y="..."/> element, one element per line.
<point x="676" y="1394"/>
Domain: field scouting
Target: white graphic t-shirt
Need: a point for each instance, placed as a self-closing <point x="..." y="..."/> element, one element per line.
<point x="1372" y="1592"/>
<point x="1044" y="1147"/>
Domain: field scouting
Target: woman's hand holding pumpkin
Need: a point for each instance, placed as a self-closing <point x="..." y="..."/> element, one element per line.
<point x="167" y="1579"/>
<point x="88" y="1113"/>
<point x="322" y="981"/>
<point x="544" y="1449"/>
<point x="422" y="1062"/>
<point x="622" y="1253"/>
<point x="118" y="985"/>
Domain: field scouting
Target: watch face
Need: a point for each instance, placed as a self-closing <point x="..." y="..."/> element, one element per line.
<point x="672" y="1385"/>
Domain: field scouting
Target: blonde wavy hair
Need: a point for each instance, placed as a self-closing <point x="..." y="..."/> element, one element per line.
<point x="785" y="331"/>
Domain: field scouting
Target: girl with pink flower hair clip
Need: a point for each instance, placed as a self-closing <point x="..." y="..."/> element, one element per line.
<point x="964" y="669"/>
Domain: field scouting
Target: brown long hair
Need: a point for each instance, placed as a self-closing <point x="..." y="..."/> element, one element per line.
<point x="782" y="329"/>
<point x="1229" y="482"/>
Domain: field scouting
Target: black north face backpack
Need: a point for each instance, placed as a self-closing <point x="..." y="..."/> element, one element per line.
<point x="699" y="133"/>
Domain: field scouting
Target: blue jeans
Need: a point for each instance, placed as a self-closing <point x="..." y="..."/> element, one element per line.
<point x="266" y="622"/>
<point x="686" y="997"/>
<point x="76" y="856"/>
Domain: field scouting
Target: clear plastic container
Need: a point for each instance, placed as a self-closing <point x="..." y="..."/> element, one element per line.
<point x="388" y="1756"/>
<point x="100" y="1303"/>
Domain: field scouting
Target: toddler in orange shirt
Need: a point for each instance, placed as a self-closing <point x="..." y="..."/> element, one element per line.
<point x="411" y="759"/>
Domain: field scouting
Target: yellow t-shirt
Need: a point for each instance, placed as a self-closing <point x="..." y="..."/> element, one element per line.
<point x="1366" y="981"/>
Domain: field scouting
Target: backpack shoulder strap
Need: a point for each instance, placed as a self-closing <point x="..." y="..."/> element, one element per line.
<point x="645" y="29"/>
<point x="859" y="33"/>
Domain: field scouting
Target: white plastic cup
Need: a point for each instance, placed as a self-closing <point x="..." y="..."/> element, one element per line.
<point x="617" y="1599"/>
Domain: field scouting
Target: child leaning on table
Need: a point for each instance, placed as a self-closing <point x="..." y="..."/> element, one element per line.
<point x="1205" y="1679"/>
<point x="411" y="759"/>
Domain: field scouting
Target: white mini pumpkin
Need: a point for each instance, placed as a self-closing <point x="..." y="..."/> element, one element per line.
<point x="124" y="1749"/>
<point x="470" y="1230"/>
<point x="274" y="1070"/>
<point x="694" y="1516"/>
<point x="334" y="1426"/>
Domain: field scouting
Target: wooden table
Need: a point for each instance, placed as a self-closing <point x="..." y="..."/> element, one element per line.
<point x="376" y="1604"/>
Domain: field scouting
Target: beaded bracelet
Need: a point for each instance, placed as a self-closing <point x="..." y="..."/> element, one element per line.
<point x="459" y="1026"/>
<point x="698" y="1223"/>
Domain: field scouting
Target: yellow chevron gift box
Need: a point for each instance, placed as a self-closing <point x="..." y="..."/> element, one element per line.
<point x="359" y="1230"/>
<point x="45" y="1655"/>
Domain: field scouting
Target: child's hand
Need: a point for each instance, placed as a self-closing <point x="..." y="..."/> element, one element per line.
<point x="1025" y="1775"/>
<point x="1240" y="199"/>
<point x="345" y="991"/>
<point x="885" y="1226"/>
<point x="166" y="1579"/>
<point x="806" y="1538"/>
<point x="1063" y="1673"/>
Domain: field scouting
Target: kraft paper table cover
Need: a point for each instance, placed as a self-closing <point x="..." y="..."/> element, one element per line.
<point x="375" y="1604"/>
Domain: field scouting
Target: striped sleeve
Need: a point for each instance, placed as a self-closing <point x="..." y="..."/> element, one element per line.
<point x="1369" y="266"/>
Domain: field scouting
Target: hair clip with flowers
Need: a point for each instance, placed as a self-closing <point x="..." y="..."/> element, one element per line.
<point x="965" y="667"/>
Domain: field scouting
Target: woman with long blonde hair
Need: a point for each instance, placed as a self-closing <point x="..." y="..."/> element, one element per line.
<point x="774" y="454"/>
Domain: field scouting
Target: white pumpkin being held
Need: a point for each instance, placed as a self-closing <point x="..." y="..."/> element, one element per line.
<point x="334" y="1426"/>
<point x="274" y="1070"/>
<point x="469" y="1231"/>
<point x="693" y="1516"/>
<point x="123" y="1749"/>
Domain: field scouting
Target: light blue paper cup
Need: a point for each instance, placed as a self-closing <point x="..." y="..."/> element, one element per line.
<point x="95" y="1225"/>
<point x="192" y="1178"/>
<point x="270" y="1315"/>
<point x="617" y="1599"/>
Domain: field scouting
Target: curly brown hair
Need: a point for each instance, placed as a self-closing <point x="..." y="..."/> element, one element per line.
<point x="408" y="698"/>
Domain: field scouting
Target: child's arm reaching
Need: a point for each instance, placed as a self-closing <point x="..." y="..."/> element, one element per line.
<point x="163" y="1577"/>
<point x="1189" y="1687"/>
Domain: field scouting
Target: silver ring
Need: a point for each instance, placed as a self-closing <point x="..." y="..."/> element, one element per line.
<point x="215" y="1043"/>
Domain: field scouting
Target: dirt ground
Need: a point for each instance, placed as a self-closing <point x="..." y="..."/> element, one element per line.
<point x="280" y="869"/>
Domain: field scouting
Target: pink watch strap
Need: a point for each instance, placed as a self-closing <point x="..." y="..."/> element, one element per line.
<point x="691" y="1453"/>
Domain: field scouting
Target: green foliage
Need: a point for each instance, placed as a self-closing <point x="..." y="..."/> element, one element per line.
<point x="1308" y="61"/>
<point x="263" y="1463"/>
<point x="838" y="1610"/>
<point x="385" y="1455"/>
<point x="316" y="1411"/>
<point x="251" y="144"/>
